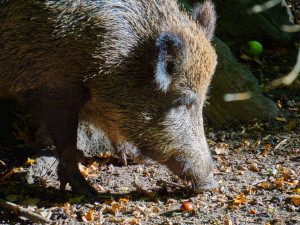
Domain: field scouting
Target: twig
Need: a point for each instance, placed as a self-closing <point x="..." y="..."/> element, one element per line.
<point x="20" y="211"/>
<point x="174" y="184"/>
<point x="281" y="143"/>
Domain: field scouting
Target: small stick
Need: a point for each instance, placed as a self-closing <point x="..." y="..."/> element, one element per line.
<point x="174" y="184"/>
<point x="20" y="211"/>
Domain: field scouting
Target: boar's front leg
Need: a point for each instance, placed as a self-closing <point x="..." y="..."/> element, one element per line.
<point x="63" y="130"/>
<point x="57" y="108"/>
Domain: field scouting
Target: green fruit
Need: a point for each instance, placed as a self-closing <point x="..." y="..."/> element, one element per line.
<point x="252" y="48"/>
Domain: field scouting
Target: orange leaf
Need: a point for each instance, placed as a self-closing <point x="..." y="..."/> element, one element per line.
<point x="228" y="221"/>
<point x="296" y="200"/>
<point x="123" y="200"/>
<point x="264" y="185"/>
<point x="254" y="168"/>
<point x="252" y="211"/>
<point x="240" y="199"/>
<point x="89" y="216"/>
<point x="83" y="170"/>
<point x="134" y="221"/>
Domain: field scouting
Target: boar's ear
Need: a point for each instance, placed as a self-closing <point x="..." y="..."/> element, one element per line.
<point x="205" y="15"/>
<point x="168" y="45"/>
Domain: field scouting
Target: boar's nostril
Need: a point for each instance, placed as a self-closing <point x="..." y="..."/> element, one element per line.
<point x="208" y="186"/>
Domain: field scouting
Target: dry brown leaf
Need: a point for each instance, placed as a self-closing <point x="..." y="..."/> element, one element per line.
<point x="296" y="200"/>
<point x="156" y="210"/>
<point x="83" y="169"/>
<point x="290" y="126"/>
<point x="264" y="185"/>
<point x="89" y="217"/>
<point x="123" y="200"/>
<point x="228" y="221"/>
<point x="118" y="221"/>
<point x="134" y="221"/>
<point x="240" y="199"/>
<point x="171" y="201"/>
<point x="92" y="168"/>
<point x="246" y="143"/>
<point x="252" y="211"/>
<point x="242" y="168"/>
<point x="254" y="168"/>
<point x="10" y="173"/>
<point x="221" y="151"/>
<point x="149" y="194"/>
<point x="115" y="207"/>
<point x="108" y="202"/>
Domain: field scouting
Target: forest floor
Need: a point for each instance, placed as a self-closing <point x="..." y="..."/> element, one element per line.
<point x="257" y="166"/>
<point x="256" y="163"/>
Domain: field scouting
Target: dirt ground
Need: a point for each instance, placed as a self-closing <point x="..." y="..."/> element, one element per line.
<point x="256" y="163"/>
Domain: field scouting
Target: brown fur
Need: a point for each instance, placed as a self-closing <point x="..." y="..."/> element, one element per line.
<point x="138" y="70"/>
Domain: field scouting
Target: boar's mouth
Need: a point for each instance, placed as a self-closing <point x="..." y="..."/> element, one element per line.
<point x="201" y="177"/>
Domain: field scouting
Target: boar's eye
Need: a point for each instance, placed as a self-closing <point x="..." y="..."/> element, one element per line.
<point x="188" y="105"/>
<point x="185" y="101"/>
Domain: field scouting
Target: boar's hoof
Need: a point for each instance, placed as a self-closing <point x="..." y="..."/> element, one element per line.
<point x="69" y="173"/>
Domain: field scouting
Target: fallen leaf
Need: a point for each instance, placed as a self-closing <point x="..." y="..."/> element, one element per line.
<point x="221" y="150"/>
<point x="296" y="199"/>
<point x="246" y="143"/>
<point x="264" y="185"/>
<point x="146" y="193"/>
<point x="115" y="207"/>
<point x="253" y="167"/>
<point x="271" y="210"/>
<point x="281" y="119"/>
<point x="77" y="199"/>
<point x="10" y="173"/>
<point x="123" y="200"/>
<point x="253" y="211"/>
<point x="228" y="221"/>
<point x="83" y="169"/>
<point x="156" y="210"/>
<point x="118" y="221"/>
<point x="242" y="168"/>
<point x="29" y="161"/>
<point x="124" y="189"/>
<point x="240" y="199"/>
<point x="290" y="126"/>
<point x="134" y="221"/>
<point x="89" y="217"/>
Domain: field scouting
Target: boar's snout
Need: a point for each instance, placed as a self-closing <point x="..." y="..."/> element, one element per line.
<point x="195" y="168"/>
<point x="212" y="183"/>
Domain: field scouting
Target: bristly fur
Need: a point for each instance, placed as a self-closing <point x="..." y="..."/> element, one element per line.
<point x="137" y="69"/>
